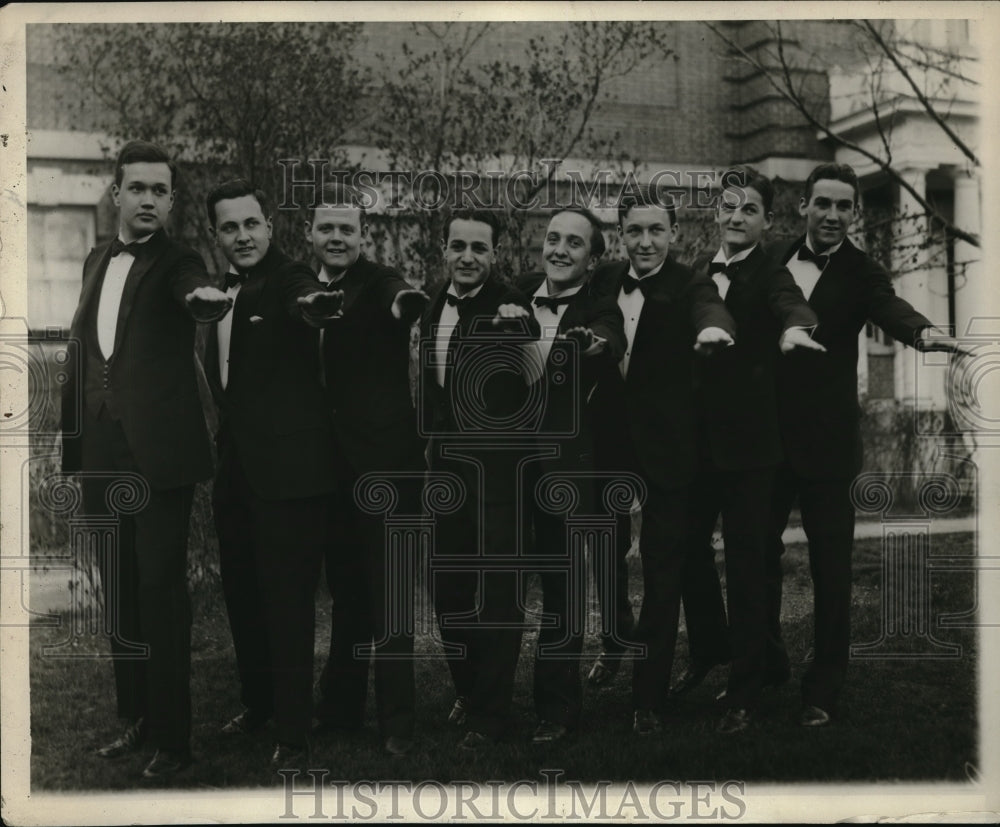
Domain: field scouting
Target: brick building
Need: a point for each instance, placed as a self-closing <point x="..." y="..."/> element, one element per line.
<point x="691" y="108"/>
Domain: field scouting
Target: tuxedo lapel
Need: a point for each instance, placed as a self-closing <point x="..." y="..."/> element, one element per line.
<point x="91" y="280"/>
<point x="148" y="254"/>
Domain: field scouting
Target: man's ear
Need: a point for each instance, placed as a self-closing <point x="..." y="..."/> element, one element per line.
<point x="116" y="195"/>
<point x="308" y="232"/>
<point x="803" y="206"/>
<point x="769" y="220"/>
<point x="270" y="228"/>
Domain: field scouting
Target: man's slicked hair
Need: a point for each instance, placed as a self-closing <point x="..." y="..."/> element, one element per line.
<point x="746" y="177"/>
<point x="645" y="197"/>
<point x="597" y="244"/>
<point x="339" y="194"/>
<point x="834" y="172"/>
<point x="488" y="217"/>
<point x="143" y="152"/>
<point x="237" y="188"/>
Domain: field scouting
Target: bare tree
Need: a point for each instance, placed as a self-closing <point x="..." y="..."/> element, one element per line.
<point x="445" y="112"/>
<point x="226" y="99"/>
<point x="933" y="77"/>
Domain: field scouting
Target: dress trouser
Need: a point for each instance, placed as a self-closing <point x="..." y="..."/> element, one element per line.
<point x="373" y="585"/>
<point x="479" y="606"/>
<point x="743" y="498"/>
<point x="828" y="520"/>
<point x="662" y="547"/>
<point x="144" y="577"/>
<point x="270" y="555"/>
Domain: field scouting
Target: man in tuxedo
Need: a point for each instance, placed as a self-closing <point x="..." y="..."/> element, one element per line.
<point x="131" y="409"/>
<point x="579" y="332"/>
<point x="275" y="474"/>
<point x="819" y="422"/>
<point x="648" y="421"/>
<point x="365" y="353"/>
<point x="740" y="448"/>
<point x="472" y="393"/>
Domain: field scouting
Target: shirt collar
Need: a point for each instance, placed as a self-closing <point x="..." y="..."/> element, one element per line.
<point x="740" y="256"/>
<point x="326" y="277"/>
<point x="829" y="251"/>
<point x="470" y="295"/>
<point x="543" y="290"/>
<point x="633" y="274"/>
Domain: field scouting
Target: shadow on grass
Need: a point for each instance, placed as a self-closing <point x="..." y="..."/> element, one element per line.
<point x="905" y="719"/>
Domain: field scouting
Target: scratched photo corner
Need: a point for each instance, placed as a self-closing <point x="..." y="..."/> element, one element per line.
<point x="592" y="419"/>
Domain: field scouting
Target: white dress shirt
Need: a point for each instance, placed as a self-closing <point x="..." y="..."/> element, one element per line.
<point x="806" y="273"/>
<point x="722" y="281"/>
<point x="537" y="352"/>
<point x="445" y="327"/>
<point x="224" y="330"/>
<point x="111" y="297"/>
<point x="631" y="305"/>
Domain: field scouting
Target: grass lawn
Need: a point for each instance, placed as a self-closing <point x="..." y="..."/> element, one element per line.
<point x="902" y="718"/>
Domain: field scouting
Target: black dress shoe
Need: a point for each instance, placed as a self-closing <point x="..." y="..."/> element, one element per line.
<point x="291" y="756"/>
<point x="691" y="677"/>
<point x="166" y="763"/>
<point x="457" y="715"/>
<point x="129" y="741"/>
<point x="474" y="742"/>
<point x="646" y="723"/>
<point x="398" y="747"/>
<point x="604" y="669"/>
<point x="548" y="731"/>
<point x="246" y="723"/>
<point x="814" y="716"/>
<point x="735" y="720"/>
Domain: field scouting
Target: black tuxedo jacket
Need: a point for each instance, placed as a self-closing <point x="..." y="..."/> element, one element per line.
<point x="818" y="392"/>
<point x="737" y="385"/>
<point x="566" y="417"/>
<point x="366" y="355"/>
<point x="152" y="370"/>
<point x="273" y="407"/>
<point x="657" y="400"/>
<point x="499" y="393"/>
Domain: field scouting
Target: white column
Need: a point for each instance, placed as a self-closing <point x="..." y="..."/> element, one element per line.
<point x="912" y="281"/>
<point x="968" y="285"/>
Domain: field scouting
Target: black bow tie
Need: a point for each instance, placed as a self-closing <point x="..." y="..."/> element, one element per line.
<point x="232" y="279"/>
<point x="119" y="246"/>
<point x="552" y="302"/>
<point x="456" y="301"/>
<point x="629" y="283"/>
<point x="336" y="284"/>
<point x="718" y="267"/>
<point x="806" y="254"/>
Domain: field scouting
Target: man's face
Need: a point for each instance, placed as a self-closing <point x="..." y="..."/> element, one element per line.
<point x="336" y="234"/>
<point x="469" y="254"/>
<point x="241" y="231"/>
<point x="143" y="198"/>
<point x="742" y="218"/>
<point x="566" y="250"/>
<point x="829" y="213"/>
<point x="647" y="234"/>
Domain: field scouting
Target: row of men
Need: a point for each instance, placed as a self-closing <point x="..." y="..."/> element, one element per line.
<point x="311" y="375"/>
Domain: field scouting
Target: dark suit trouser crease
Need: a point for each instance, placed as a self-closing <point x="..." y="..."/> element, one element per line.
<point x="557" y="687"/>
<point x="828" y="521"/>
<point x="270" y="556"/>
<point x="610" y="568"/>
<point x="144" y="579"/>
<point x="372" y="616"/>
<point x="480" y="611"/>
<point x="662" y="547"/>
<point x="744" y="499"/>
